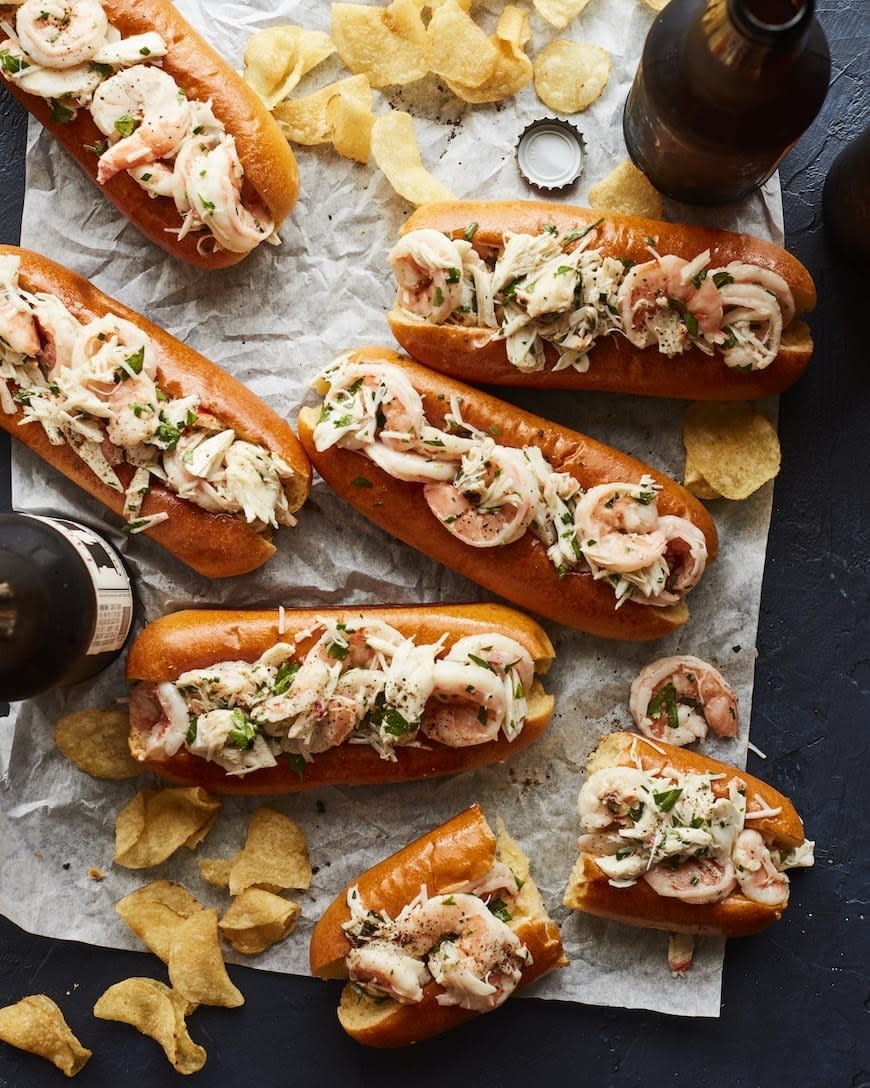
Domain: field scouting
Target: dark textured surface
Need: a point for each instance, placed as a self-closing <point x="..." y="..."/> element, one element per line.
<point x="796" y="998"/>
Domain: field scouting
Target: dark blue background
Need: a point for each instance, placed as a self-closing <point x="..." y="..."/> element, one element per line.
<point x="795" y="998"/>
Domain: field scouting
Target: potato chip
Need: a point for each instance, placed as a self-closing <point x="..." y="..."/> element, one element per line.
<point x="394" y="147"/>
<point x="196" y="966"/>
<point x="694" y="482"/>
<point x="154" y="912"/>
<point x="257" y="919"/>
<point x="152" y="826"/>
<point x="386" y="44"/>
<point x="37" y="1025"/>
<point x="350" y="122"/>
<point x="305" y="120"/>
<point x="559" y="13"/>
<point x="96" y="874"/>
<point x="274" y="857"/>
<point x="657" y="5"/>
<point x="627" y="191"/>
<point x="569" y="76"/>
<point x="277" y="58"/>
<point x="96" y="741"/>
<point x="216" y="871"/>
<point x="513" y="69"/>
<point x="158" y="1012"/>
<point x="457" y="48"/>
<point x="734" y="447"/>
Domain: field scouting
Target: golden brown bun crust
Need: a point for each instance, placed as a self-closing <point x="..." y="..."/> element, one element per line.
<point x="216" y="545"/>
<point x="457" y="852"/>
<point x="195" y="639"/>
<point x="521" y="572"/>
<point x="736" y="916"/>
<point x="616" y="365"/>
<point x="269" y="164"/>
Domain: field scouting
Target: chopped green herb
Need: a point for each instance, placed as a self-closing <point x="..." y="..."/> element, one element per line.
<point x="60" y="113"/>
<point x="126" y="125"/>
<point x="11" y="64"/>
<point x="361" y="481"/>
<point x="453" y="275"/>
<point x="284" y="677"/>
<point x="722" y="279"/>
<point x="190" y="736"/>
<point x="469" y="232"/>
<point x="482" y="662"/>
<point x="666" y="800"/>
<point x="297" y="764"/>
<point x="498" y="907"/>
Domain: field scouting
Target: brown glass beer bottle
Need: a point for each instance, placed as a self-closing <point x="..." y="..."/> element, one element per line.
<point x="723" y="90"/>
<point x="66" y="604"/>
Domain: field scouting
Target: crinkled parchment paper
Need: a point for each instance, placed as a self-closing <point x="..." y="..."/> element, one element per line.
<point x="274" y="321"/>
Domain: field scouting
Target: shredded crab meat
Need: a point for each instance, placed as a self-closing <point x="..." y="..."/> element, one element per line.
<point x="489" y="495"/>
<point x="361" y="682"/>
<point x="558" y="291"/>
<point x="93" y="386"/>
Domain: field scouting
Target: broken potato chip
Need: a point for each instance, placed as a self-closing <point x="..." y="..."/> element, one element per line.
<point x="387" y="44"/>
<point x="559" y="13"/>
<point x="570" y="76"/>
<point x="394" y="147"/>
<point x="96" y="742"/>
<point x="257" y="919"/>
<point x="196" y="966"/>
<point x="513" y="70"/>
<point x="155" y="823"/>
<point x="350" y="120"/>
<point x="154" y="912"/>
<point x="278" y="57"/>
<point x="37" y="1025"/>
<point x="457" y="48"/>
<point x="657" y="5"/>
<point x="274" y="857"/>
<point x="158" y="1012"/>
<point x="306" y="120"/>
<point x="627" y="191"/>
<point x="732" y="447"/>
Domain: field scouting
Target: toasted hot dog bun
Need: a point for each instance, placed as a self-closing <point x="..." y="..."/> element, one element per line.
<point x="521" y="571"/>
<point x="735" y="916"/>
<point x="216" y="545"/>
<point x="196" y="639"/>
<point x="270" y="167"/>
<point x="454" y="854"/>
<point x="476" y="356"/>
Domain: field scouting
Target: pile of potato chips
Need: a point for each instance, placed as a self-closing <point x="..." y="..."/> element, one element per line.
<point x="395" y="45"/>
<point x="170" y="921"/>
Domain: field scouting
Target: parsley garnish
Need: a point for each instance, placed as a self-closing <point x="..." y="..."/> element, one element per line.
<point x="284" y="677"/>
<point x="498" y="907"/>
<point x="361" y="481"/>
<point x="126" y="125"/>
<point x="722" y="279"/>
<point x="243" y="734"/>
<point x="666" y="800"/>
<point x="60" y="113"/>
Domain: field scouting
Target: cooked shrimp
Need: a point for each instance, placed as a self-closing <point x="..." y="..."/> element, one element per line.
<point x="135" y="414"/>
<point x="109" y="346"/>
<point x="685" y="554"/>
<point x="364" y="401"/>
<point x="473" y="955"/>
<point x="609" y="797"/>
<point x="58" y="327"/>
<point x="758" y="877"/>
<point x="17" y="327"/>
<point x="763" y="277"/>
<point x="381" y="967"/>
<point x="74" y="85"/>
<point x="467" y="705"/>
<point x="492" y="499"/>
<point x="214" y="192"/>
<point x="147" y="109"/>
<point x="754" y="320"/>
<point x="428" y="269"/>
<point x="695" y="880"/>
<point x="618" y="526"/>
<point x="659" y="304"/>
<point x="498" y="652"/>
<point x="677" y="698"/>
<point x="156" y="178"/>
<point x="61" y="33"/>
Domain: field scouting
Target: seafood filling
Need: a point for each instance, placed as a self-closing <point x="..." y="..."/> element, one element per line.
<point x="685" y="835"/>
<point x="68" y="53"/>
<point x="93" y="386"/>
<point x="360" y="682"/>
<point x="460" y="941"/>
<point x="556" y="290"/>
<point x="488" y="495"/>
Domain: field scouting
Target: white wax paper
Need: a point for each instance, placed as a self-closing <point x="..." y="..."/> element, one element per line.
<point x="274" y="321"/>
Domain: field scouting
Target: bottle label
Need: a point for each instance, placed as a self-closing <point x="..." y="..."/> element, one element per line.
<point x="111" y="584"/>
